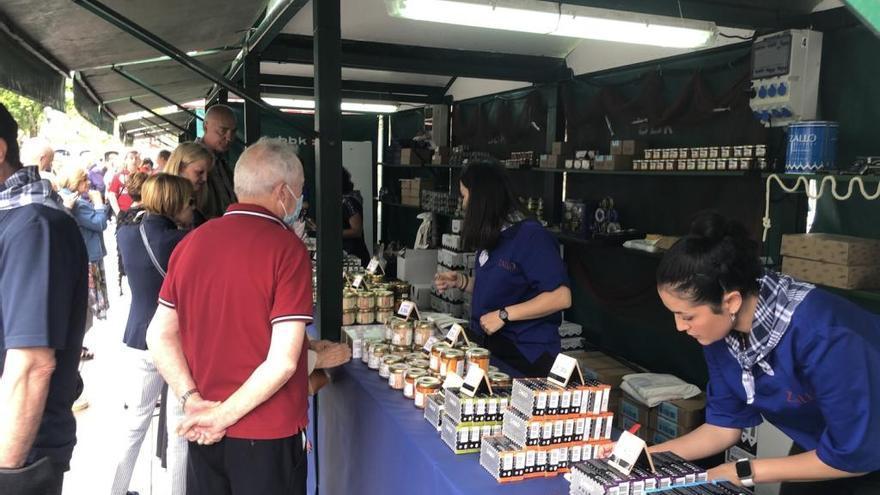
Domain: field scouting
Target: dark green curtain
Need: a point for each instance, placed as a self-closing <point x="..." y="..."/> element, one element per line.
<point x="25" y="74"/>
<point x="500" y="124"/>
<point x="90" y="110"/>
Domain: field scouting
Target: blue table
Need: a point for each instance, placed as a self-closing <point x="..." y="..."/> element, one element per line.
<point x="372" y="440"/>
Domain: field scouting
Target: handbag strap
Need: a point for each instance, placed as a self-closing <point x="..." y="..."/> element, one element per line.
<point x="150" y="250"/>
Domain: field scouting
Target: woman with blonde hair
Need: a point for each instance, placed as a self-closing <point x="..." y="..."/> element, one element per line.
<point x="145" y="245"/>
<point x="193" y="162"/>
<point x="91" y="215"/>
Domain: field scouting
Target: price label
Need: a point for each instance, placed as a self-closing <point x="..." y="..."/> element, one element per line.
<point x="626" y="452"/>
<point x="373" y="266"/>
<point x="358" y="281"/>
<point x="406" y="309"/>
<point x="453" y="380"/>
<point x="472" y="380"/>
<point x="454" y="333"/>
<point x="562" y="369"/>
<point x="430" y="343"/>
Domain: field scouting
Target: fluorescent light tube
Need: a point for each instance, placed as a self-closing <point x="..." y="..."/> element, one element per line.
<point x="346" y="106"/>
<point x="541" y="17"/>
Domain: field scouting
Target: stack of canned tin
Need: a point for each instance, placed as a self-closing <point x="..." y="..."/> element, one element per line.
<point x="704" y="159"/>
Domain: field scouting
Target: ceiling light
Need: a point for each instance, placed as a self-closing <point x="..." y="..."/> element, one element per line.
<point x="541" y="17"/>
<point x="346" y="106"/>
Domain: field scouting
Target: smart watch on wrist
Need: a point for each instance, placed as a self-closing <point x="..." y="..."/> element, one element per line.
<point x="744" y="472"/>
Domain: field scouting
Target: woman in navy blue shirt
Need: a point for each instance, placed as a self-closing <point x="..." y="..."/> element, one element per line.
<point x="145" y="244"/>
<point x="777" y="349"/>
<point x="519" y="284"/>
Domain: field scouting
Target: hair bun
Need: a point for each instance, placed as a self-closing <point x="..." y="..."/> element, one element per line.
<point x="712" y="228"/>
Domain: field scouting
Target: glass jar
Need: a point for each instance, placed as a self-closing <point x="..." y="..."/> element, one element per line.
<point x="498" y="379"/>
<point x="384" y="316"/>
<point x="400" y="350"/>
<point x="424" y="330"/>
<point x="387" y="361"/>
<point x="385" y="299"/>
<point x="436" y="351"/>
<point x="377" y="352"/>
<point x="493" y="369"/>
<point x="395" y="376"/>
<point x="366" y="301"/>
<point x="349" y="317"/>
<point x="415" y="356"/>
<point x="421" y="364"/>
<point x="451" y="361"/>
<point x="409" y="381"/>
<point x="426" y="386"/>
<point x="349" y="300"/>
<point x="374" y="278"/>
<point x="366" y="317"/>
<point x="478" y="356"/>
<point x="402" y="333"/>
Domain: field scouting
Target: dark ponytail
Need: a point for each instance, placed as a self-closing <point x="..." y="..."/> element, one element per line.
<point x="490" y="205"/>
<point x="717" y="256"/>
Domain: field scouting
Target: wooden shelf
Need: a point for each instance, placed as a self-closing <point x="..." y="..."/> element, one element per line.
<point x="411" y="207"/>
<point x="715" y="173"/>
<point x="417" y="167"/>
<point x="566" y="238"/>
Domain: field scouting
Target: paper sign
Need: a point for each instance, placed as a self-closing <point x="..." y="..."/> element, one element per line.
<point x="472" y="380"/>
<point x="373" y="266"/>
<point x="452" y="381"/>
<point x="430" y="343"/>
<point x="454" y="333"/>
<point x="562" y="369"/>
<point x="406" y="309"/>
<point x="626" y="453"/>
<point x="358" y="280"/>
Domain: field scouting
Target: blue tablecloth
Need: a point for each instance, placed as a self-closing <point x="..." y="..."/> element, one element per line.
<point x="372" y="440"/>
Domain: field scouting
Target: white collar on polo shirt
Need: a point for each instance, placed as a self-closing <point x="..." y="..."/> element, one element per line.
<point x="255" y="214"/>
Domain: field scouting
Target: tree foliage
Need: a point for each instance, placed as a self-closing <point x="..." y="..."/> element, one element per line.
<point x="28" y="113"/>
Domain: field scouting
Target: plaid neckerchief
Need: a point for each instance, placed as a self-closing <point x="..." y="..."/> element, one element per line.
<point x="25" y="187"/>
<point x="778" y="298"/>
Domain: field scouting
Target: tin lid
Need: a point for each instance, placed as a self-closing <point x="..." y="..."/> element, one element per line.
<point x="477" y="352"/>
<point x="419" y="363"/>
<point x="366" y="293"/>
<point x="452" y="353"/>
<point x="493" y="369"/>
<point x="401" y="325"/>
<point x="815" y="123"/>
<point x="428" y="382"/>
<point x="425" y="325"/>
<point x="397" y="368"/>
<point x="380" y="349"/>
<point x="412" y="356"/>
<point x="496" y="376"/>
<point x="392" y="359"/>
<point x="383" y="293"/>
<point x="366" y="311"/>
<point x="440" y="346"/>
<point x="415" y="373"/>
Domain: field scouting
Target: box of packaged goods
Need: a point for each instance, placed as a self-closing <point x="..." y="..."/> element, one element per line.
<point x="627" y="147"/>
<point x="686" y="414"/>
<point x="465" y="438"/>
<point x="671" y="472"/>
<point x="562" y="149"/>
<point x="613" y="162"/>
<point x="840" y="276"/>
<point x="506" y="461"/>
<point x="441" y="156"/>
<point x="417" y="266"/>
<point x="837" y="249"/>
<point x="601" y="367"/>
<point x="635" y="410"/>
<point x="551" y="161"/>
<point x="415" y="156"/>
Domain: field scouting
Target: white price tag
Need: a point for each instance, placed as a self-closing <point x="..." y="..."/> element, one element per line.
<point x="626" y="452"/>
<point x="406" y="309"/>
<point x="562" y="369"/>
<point x="454" y="333"/>
<point x="373" y="266"/>
<point x="430" y="343"/>
<point x="472" y="380"/>
<point x="358" y="280"/>
<point x="453" y="380"/>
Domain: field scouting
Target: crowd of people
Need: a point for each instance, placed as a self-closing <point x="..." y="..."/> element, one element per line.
<point x="221" y="296"/>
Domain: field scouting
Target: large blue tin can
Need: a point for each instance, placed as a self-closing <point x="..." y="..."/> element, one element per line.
<point x="812" y="146"/>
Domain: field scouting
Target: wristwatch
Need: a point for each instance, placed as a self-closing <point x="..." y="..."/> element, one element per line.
<point x="744" y="472"/>
<point x="502" y="313"/>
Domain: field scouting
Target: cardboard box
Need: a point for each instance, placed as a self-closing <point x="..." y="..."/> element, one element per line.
<point x="671" y="429"/>
<point x="613" y="162"/>
<point x="421" y="295"/>
<point x="561" y="149"/>
<point x="551" y="161"/>
<point x="655" y="437"/>
<point x="838" y="249"/>
<point x="625" y="423"/>
<point x="626" y="147"/>
<point x="417" y="266"/>
<point x="410" y="200"/>
<point x="599" y="366"/>
<point x="635" y="410"/>
<point x="687" y="413"/>
<point x="415" y="156"/>
<point x="840" y="276"/>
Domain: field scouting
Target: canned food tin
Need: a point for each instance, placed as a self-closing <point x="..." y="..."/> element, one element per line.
<point x="812" y="146"/>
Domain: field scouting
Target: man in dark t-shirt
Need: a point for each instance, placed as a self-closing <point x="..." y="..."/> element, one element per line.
<point x="43" y="273"/>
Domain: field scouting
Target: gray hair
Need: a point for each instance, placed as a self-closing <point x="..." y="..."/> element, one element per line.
<point x="264" y="165"/>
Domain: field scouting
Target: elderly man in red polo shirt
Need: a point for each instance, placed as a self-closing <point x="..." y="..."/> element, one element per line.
<point x="229" y="334"/>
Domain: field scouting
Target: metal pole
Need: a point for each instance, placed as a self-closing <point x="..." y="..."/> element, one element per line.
<point x="251" y="82"/>
<point x="160" y="117"/>
<point x="150" y="39"/>
<point x="155" y="93"/>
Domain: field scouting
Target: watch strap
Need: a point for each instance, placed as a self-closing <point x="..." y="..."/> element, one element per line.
<point x="502" y="313"/>
<point x="744" y="472"/>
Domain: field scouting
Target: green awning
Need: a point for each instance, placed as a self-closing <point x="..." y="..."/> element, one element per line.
<point x="27" y="75"/>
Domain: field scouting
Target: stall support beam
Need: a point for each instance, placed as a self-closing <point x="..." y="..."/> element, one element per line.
<point x="328" y="165"/>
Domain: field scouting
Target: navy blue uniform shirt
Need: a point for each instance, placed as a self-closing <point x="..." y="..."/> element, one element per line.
<point x="44" y="280"/>
<point x="524" y="264"/>
<point x="825" y="391"/>
<point x="143" y="277"/>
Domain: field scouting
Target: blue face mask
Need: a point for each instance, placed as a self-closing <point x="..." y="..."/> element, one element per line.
<point x="292" y="218"/>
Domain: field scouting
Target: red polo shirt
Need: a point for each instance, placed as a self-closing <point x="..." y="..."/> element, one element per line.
<point x="118" y="187"/>
<point x="229" y="281"/>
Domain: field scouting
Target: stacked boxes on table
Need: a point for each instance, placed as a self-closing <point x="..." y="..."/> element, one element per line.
<point x="453" y="258"/>
<point x="570" y="335"/>
<point x="411" y="190"/>
<point x="548" y="428"/>
<point x="597" y="477"/>
<point x="466" y="420"/>
<point x="839" y="261"/>
<point x="665" y="422"/>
